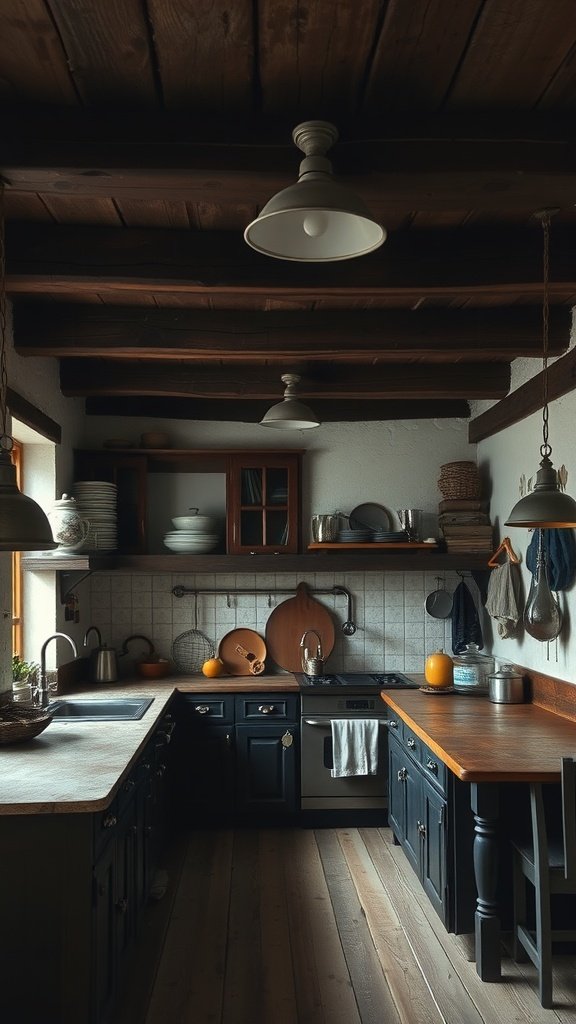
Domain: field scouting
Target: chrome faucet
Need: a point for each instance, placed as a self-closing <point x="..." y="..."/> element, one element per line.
<point x="42" y="688"/>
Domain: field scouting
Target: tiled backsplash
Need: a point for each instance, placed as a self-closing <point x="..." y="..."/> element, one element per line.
<point x="394" y="630"/>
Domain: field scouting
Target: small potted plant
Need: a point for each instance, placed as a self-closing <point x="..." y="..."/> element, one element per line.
<point x="24" y="675"/>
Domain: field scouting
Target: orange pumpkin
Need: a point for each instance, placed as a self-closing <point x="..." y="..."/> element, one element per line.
<point x="438" y="670"/>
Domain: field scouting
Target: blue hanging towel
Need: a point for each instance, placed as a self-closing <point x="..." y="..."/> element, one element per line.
<point x="560" y="553"/>
<point x="466" y="627"/>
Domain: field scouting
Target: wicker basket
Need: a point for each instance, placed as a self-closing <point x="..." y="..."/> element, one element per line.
<point x="18" y="723"/>
<point x="459" y="480"/>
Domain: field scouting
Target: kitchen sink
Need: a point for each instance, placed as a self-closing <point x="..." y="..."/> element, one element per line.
<point x="113" y="709"/>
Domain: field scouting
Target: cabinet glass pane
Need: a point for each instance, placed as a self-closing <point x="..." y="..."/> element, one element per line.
<point x="251" y="531"/>
<point x="277" y="487"/>
<point x="251" y="487"/>
<point x="276" y="528"/>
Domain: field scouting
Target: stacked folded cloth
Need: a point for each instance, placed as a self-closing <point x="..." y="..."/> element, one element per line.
<point x="465" y="525"/>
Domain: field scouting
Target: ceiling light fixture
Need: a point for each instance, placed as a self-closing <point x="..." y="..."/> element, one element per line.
<point x="23" y="524"/>
<point x="316" y="220"/>
<point x="546" y="506"/>
<point x="290" y="413"/>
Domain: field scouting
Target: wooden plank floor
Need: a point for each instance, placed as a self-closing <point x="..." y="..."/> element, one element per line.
<point x="325" y="926"/>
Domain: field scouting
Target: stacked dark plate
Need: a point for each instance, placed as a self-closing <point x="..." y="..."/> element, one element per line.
<point x="354" y="536"/>
<point x="389" y="537"/>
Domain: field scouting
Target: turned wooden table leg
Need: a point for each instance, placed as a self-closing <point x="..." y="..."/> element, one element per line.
<point x="485" y="807"/>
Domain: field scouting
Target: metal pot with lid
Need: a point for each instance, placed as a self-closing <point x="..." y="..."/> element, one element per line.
<point x="506" y="686"/>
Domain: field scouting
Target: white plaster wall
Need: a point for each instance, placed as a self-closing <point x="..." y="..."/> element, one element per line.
<point x="395" y="464"/>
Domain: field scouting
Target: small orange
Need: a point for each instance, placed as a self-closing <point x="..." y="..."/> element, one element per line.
<point x="213" y="667"/>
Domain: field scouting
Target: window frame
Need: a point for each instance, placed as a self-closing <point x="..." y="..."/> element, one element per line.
<point x="17" y="574"/>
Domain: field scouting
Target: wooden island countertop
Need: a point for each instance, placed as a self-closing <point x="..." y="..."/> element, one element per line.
<point x="484" y="742"/>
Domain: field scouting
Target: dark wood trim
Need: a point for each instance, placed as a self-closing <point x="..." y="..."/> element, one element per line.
<point x="237" y="411"/>
<point x="525" y="400"/>
<point x="424" y="166"/>
<point x="551" y="694"/>
<point x="325" y="561"/>
<point x="33" y="417"/>
<point x="412" y="264"/>
<point x="121" y="332"/>
<point x="186" y="380"/>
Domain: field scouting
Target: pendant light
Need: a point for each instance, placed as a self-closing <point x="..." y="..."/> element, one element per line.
<point x="290" y="413"/>
<point x="546" y="506"/>
<point x="315" y="220"/>
<point x="23" y="524"/>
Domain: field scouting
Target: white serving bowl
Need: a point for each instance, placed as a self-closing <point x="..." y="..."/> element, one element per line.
<point x="191" y="545"/>
<point x="196" y="524"/>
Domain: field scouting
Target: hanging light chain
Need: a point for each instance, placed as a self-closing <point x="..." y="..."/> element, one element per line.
<point x="3" y="324"/>
<point x="545" y="449"/>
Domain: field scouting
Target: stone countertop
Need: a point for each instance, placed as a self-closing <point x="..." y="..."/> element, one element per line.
<point x="78" y="766"/>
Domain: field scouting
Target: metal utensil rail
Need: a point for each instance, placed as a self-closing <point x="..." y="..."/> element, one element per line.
<point x="348" y="627"/>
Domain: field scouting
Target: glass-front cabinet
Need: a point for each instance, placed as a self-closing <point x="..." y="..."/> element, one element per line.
<point x="263" y="503"/>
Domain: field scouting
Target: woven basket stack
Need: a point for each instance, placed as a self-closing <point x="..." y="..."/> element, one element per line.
<point x="459" y="480"/>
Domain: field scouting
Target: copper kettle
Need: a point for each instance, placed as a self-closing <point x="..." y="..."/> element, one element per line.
<point x="312" y="664"/>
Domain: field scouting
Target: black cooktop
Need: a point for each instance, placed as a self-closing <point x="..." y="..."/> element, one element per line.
<point x="359" y="680"/>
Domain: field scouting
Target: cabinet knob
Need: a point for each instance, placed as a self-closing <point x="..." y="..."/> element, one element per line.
<point x="287" y="739"/>
<point x="266" y="709"/>
<point x="202" y="709"/>
<point x="402" y="774"/>
<point x="421" y="829"/>
<point x="411" y="742"/>
<point x="432" y="766"/>
<point x="392" y="723"/>
<point x="122" y="906"/>
<point x="129" y="785"/>
<point x="109" y="821"/>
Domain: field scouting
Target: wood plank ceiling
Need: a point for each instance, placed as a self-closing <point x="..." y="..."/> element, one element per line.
<point x="140" y="137"/>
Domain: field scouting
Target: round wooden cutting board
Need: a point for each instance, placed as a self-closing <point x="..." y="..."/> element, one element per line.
<point x="289" y="621"/>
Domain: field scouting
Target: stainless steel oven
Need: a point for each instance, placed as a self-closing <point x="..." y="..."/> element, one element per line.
<point x="342" y="696"/>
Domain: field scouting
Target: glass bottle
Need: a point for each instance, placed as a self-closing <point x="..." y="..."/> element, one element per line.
<point x="542" y="614"/>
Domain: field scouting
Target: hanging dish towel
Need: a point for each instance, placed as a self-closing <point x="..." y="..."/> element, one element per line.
<point x="560" y="553"/>
<point x="354" y="747"/>
<point x="466" y="627"/>
<point x="503" y="598"/>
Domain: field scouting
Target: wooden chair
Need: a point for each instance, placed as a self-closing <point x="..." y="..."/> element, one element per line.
<point x="548" y="861"/>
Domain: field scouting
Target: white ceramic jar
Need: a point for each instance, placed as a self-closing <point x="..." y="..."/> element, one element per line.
<point x="68" y="528"/>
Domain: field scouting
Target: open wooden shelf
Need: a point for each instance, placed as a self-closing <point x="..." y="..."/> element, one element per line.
<point x="373" y="545"/>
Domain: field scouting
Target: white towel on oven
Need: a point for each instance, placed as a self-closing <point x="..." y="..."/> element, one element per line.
<point x="354" y="747"/>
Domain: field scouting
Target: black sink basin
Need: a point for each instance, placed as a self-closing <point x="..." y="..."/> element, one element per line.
<point x="112" y="709"/>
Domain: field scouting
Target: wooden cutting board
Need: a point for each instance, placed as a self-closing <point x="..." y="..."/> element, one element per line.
<point x="289" y="621"/>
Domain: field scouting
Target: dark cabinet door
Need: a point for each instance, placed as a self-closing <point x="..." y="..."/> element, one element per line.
<point x="413" y="835"/>
<point x="396" y="789"/>
<point x="104" y="933"/>
<point x="263" y="495"/>
<point x="207" y="770"/>
<point x="434" y="854"/>
<point x="125" y="905"/>
<point x="266" y="762"/>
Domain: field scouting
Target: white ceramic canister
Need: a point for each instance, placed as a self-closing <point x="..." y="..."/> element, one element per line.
<point x="68" y="528"/>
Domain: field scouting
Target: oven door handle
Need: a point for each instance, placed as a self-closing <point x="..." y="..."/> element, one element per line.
<point x="323" y="724"/>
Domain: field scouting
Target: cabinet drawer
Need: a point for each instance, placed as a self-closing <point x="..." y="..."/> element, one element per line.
<point x="433" y="768"/>
<point x="412" y="743"/>
<point x="206" y="707"/>
<point x="395" y="726"/>
<point x="267" y="707"/>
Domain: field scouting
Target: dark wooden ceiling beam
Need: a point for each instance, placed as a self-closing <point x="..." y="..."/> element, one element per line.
<point x="237" y="411"/>
<point x="525" y="400"/>
<point x="121" y="332"/>
<point x="478" y="262"/>
<point x="422" y="165"/>
<point x="83" y="377"/>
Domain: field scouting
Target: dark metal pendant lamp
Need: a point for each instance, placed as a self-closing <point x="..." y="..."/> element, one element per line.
<point x="24" y="525"/>
<point x="315" y="220"/>
<point x="546" y="506"/>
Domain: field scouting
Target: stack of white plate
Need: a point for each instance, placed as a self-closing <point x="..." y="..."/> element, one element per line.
<point x="193" y="534"/>
<point x="97" y="501"/>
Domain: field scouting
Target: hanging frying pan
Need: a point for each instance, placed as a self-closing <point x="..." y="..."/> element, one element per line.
<point x="439" y="602"/>
<point x="289" y="621"/>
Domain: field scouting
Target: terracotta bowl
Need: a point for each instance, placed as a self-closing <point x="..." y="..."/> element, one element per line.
<point x="153" y="669"/>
